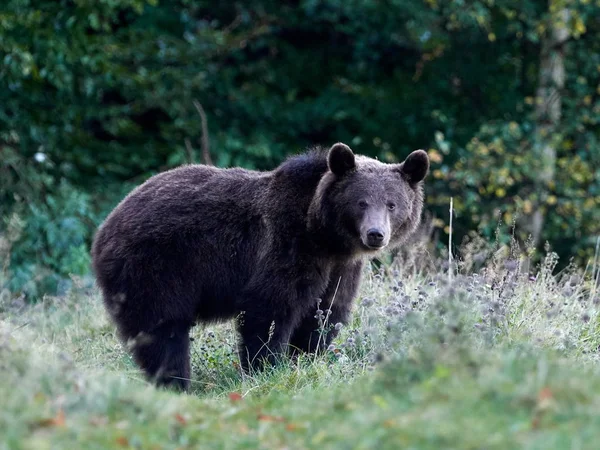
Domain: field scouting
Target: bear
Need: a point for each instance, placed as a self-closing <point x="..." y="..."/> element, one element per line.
<point x="199" y="244"/>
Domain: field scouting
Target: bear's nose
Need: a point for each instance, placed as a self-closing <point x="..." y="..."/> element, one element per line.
<point x="375" y="237"/>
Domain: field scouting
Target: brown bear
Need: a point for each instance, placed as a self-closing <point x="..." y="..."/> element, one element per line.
<point x="203" y="244"/>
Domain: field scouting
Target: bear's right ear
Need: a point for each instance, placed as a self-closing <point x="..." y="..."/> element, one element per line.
<point x="415" y="166"/>
<point x="341" y="159"/>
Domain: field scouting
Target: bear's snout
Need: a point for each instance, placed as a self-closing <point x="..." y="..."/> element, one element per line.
<point x="375" y="229"/>
<point x="375" y="238"/>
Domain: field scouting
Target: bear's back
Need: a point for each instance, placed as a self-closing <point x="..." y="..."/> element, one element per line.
<point x="174" y="210"/>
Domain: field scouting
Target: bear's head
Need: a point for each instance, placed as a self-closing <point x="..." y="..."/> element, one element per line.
<point x="362" y="205"/>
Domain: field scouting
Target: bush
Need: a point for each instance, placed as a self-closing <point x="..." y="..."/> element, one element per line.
<point x="50" y="242"/>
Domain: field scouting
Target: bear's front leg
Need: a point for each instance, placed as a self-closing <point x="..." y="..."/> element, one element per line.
<point x="264" y="337"/>
<point x="314" y="335"/>
<point x="317" y="329"/>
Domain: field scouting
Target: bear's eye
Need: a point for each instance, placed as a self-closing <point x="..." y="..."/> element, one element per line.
<point x="362" y="204"/>
<point x="391" y="206"/>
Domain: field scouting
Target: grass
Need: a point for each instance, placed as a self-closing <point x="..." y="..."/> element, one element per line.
<point x="492" y="358"/>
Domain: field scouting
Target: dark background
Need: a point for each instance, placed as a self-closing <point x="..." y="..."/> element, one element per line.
<point x="95" y="97"/>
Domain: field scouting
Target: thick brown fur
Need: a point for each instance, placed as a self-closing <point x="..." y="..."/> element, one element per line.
<point x="200" y="244"/>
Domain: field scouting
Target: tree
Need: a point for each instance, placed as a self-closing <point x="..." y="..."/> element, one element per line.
<point x="549" y="107"/>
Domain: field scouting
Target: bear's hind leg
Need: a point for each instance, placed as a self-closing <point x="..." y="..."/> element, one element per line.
<point x="164" y="354"/>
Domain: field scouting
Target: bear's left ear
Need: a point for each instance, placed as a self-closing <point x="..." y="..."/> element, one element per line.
<point x="341" y="159"/>
<point x="415" y="166"/>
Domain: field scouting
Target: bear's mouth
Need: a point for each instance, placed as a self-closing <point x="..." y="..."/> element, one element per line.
<point x="374" y="248"/>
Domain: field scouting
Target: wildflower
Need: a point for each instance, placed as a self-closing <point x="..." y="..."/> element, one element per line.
<point x="367" y="302"/>
<point x="585" y="317"/>
<point x="338" y="326"/>
<point x="479" y="257"/>
<point x="331" y="347"/>
<point x="65" y="357"/>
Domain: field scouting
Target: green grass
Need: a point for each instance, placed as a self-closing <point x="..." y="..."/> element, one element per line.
<point x="494" y="360"/>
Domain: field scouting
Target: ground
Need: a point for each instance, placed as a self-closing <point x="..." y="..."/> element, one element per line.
<point x="493" y="360"/>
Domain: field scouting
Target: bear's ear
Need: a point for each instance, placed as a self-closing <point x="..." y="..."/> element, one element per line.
<point x="415" y="166"/>
<point x="341" y="159"/>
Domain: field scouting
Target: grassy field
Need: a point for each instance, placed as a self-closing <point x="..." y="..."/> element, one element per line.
<point x="491" y="358"/>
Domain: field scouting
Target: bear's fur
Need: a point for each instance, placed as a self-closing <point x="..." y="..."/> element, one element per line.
<point x="201" y="244"/>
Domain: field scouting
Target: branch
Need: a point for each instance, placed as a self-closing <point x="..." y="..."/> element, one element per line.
<point x="205" y="140"/>
<point x="190" y="151"/>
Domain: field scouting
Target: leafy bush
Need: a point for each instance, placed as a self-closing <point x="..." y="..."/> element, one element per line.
<point x="51" y="242"/>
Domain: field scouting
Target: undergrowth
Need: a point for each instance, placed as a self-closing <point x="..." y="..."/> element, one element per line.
<point x="482" y="353"/>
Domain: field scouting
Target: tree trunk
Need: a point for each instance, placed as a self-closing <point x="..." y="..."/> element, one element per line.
<point x="548" y="110"/>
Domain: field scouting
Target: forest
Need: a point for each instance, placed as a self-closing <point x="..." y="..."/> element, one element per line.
<point x="98" y="96"/>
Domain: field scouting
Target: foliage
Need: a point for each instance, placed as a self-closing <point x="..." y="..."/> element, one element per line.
<point x="99" y="95"/>
<point x="501" y="162"/>
<point x="51" y="245"/>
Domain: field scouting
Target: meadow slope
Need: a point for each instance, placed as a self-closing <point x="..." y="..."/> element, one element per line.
<point x="493" y="359"/>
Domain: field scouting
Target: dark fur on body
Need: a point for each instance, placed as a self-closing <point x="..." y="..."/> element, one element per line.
<point x="199" y="244"/>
